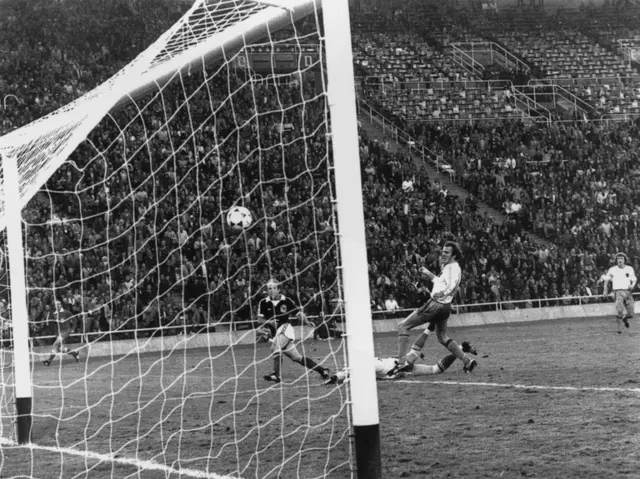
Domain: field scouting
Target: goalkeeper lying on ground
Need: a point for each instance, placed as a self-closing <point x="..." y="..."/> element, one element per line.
<point x="389" y="368"/>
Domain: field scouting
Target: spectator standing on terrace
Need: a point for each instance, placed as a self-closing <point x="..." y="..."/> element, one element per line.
<point x="391" y="304"/>
<point x="623" y="280"/>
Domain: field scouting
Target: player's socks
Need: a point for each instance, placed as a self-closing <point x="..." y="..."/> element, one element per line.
<point x="455" y="349"/>
<point x="416" y="349"/>
<point x="425" y="369"/>
<point x="311" y="364"/>
<point x="403" y="344"/>
<point x="277" y="365"/>
<point x="446" y="362"/>
<point x="75" y="354"/>
<point x="413" y="355"/>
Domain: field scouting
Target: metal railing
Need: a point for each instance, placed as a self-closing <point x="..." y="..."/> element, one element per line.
<point x="10" y="96"/>
<point x="489" y="53"/>
<point x="466" y="61"/>
<point x="403" y="137"/>
<point x="629" y="48"/>
<point x="543" y="92"/>
<point x="440" y="84"/>
<point x="531" y="107"/>
<point x="580" y="81"/>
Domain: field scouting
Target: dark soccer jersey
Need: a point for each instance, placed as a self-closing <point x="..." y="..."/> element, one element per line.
<point x="65" y="320"/>
<point x="279" y="309"/>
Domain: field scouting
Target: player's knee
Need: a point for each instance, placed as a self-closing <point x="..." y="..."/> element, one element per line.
<point x="276" y="354"/>
<point x="404" y="326"/>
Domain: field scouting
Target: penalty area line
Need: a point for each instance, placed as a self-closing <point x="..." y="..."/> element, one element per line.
<point x="141" y="465"/>
<point x="525" y="386"/>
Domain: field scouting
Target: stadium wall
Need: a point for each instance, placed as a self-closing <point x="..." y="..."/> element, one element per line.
<point x="225" y="338"/>
<point x="552" y="4"/>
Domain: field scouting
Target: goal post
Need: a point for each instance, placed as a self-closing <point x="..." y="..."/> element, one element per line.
<point x="353" y="248"/>
<point x="21" y="360"/>
<point x="124" y="193"/>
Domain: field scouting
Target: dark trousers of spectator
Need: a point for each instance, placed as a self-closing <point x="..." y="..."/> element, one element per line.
<point x="103" y="324"/>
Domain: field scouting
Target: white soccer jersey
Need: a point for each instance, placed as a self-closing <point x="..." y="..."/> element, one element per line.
<point x="447" y="283"/>
<point x="621" y="278"/>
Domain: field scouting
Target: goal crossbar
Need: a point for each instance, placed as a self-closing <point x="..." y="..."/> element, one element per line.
<point x="204" y="34"/>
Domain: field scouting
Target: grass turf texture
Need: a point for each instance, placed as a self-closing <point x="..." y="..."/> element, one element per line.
<point x="549" y="399"/>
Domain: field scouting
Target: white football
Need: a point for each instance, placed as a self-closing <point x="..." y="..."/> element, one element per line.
<point x="239" y="218"/>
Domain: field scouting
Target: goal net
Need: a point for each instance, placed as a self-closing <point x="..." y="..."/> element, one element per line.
<point x="124" y="196"/>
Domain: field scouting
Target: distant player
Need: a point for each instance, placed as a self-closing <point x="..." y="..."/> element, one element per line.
<point x="274" y="312"/>
<point x="623" y="279"/>
<point x="64" y="320"/>
<point x="388" y="368"/>
<point x="436" y="311"/>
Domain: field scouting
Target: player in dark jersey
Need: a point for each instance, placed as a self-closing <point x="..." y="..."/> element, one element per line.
<point x="275" y="312"/>
<point x="64" y="323"/>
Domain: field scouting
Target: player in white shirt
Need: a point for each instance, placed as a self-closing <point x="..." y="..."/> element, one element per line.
<point x="623" y="279"/>
<point x="386" y="368"/>
<point x="436" y="311"/>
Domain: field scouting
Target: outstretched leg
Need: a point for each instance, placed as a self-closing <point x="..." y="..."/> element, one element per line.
<point x="442" y="365"/>
<point x="57" y="347"/>
<point x="292" y="352"/>
<point x="416" y="350"/>
<point x="451" y="345"/>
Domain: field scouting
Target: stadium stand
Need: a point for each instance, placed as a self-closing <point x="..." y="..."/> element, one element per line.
<point x="574" y="183"/>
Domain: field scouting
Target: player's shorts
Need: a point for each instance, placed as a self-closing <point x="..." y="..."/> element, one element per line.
<point x="63" y="334"/>
<point x="283" y="340"/>
<point x="433" y="313"/>
<point x="624" y="302"/>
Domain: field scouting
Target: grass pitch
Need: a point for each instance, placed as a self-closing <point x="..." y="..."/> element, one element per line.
<point x="552" y="399"/>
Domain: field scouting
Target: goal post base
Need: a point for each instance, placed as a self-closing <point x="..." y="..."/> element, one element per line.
<point x="23" y="422"/>
<point x="367" y="447"/>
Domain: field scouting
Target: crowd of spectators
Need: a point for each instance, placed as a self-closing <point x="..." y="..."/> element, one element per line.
<point x="131" y="229"/>
<point x="573" y="183"/>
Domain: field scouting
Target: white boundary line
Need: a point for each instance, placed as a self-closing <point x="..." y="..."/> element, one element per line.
<point x="523" y="386"/>
<point x="258" y="392"/>
<point x="198" y="474"/>
<point x="144" y="465"/>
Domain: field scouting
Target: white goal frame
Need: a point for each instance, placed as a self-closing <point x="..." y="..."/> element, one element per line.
<point x="32" y="154"/>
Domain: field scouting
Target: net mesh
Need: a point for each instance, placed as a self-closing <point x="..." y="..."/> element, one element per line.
<point x="129" y="233"/>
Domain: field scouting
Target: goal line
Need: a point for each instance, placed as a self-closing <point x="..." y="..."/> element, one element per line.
<point x="524" y="386"/>
<point x="115" y="459"/>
